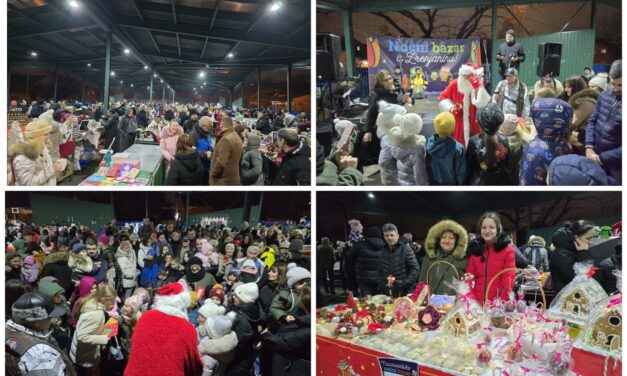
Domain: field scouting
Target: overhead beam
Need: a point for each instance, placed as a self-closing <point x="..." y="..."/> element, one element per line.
<point x="269" y="61"/>
<point x="213" y="17"/>
<point x="174" y="11"/>
<point x="202" y="53"/>
<point x="138" y="10"/>
<point x="215" y="33"/>
<point x="50" y="28"/>
<point x="367" y="6"/>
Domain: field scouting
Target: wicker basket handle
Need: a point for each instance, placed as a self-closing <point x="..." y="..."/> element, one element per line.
<point x="441" y="262"/>
<point x="518" y="271"/>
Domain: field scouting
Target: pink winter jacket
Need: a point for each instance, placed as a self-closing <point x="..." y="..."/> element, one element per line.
<point x="168" y="144"/>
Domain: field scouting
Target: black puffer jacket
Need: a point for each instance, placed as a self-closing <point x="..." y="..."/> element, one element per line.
<point x="55" y="265"/>
<point x="186" y="169"/>
<point x="111" y="132"/>
<point x="245" y="327"/>
<point x="362" y="260"/>
<point x="291" y="348"/>
<point x="564" y="257"/>
<point x="478" y="173"/>
<point x="295" y="167"/>
<point x="266" y="296"/>
<point x="142" y="119"/>
<point x="401" y="263"/>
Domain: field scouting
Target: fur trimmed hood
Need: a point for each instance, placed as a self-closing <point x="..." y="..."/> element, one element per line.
<point x="80" y="263"/>
<point x="56" y="257"/>
<point x="220" y="345"/>
<point x="585" y="95"/>
<point x="433" y="237"/>
<point x="538" y="240"/>
<point x="27" y="149"/>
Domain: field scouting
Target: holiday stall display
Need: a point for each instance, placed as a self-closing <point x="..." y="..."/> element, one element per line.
<point x="576" y="300"/>
<point x="599" y="341"/>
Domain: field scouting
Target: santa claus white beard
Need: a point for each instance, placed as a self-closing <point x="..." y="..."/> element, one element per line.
<point x="464" y="86"/>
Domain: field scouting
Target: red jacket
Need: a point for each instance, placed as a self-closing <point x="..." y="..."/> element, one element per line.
<point x="496" y="261"/>
<point x="162" y="344"/>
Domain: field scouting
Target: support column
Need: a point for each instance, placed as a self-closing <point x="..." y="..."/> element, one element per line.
<point x="260" y="205"/>
<point x="593" y="14"/>
<point x="56" y="82"/>
<point x="495" y="67"/>
<point x="246" y="209"/>
<point x="107" y="72"/>
<point x="151" y="79"/>
<point x="9" y="80"/>
<point x="187" y="209"/>
<point x="163" y="98"/>
<point x="289" y="91"/>
<point x="83" y="92"/>
<point x="259" y="88"/>
<point x="27" y="83"/>
<point x="347" y="16"/>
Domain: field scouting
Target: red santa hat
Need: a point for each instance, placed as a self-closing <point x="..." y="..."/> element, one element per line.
<point x="173" y="299"/>
<point x="470" y="68"/>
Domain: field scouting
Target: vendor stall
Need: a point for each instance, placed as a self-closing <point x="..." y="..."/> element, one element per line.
<point x="139" y="165"/>
<point x="424" y="334"/>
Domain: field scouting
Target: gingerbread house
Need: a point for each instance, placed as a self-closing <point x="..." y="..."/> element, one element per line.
<point x="575" y="302"/>
<point x="602" y="331"/>
<point x="466" y="317"/>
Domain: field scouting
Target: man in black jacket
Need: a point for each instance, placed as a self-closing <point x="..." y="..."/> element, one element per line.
<point x="510" y="54"/>
<point x="362" y="263"/>
<point x="398" y="267"/>
<point x="295" y="168"/>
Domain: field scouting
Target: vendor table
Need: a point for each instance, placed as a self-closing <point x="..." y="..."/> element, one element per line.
<point x="337" y="357"/>
<point x="151" y="163"/>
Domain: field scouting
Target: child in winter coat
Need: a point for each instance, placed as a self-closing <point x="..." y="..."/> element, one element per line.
<point x="30" y="270"/>
<point x="552" y="118"/>
<point x="252" y="162"/>
<point x="126" y="259"/>
<point x="207" y="255"/>
<point x="402" y="157"/>
<point x="446" y="164"/>
<point x="79" y="262"/>
<point x="510" y="129"/>
<point x="487" y="155"/>
<point x="245" y="326"/>
<point x="148" y="277"/>
<point x="285" y="305"/>
<point x="217" y="349"/>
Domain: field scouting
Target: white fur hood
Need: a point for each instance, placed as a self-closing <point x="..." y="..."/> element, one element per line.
<point x="218" y="345"/>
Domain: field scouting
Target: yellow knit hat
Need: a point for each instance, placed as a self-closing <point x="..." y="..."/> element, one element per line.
<point x="37" y="128"/>
<point x="444" y="124"/>
<point x="194" y="297"/>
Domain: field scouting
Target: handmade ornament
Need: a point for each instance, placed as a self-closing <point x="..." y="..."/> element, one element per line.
<point x="429" y="318"/>
<point x="577" y="299"/>
<point x="403" y="309"/>
<point x="484" y="355"/>
<point x="420" y="294"/>
<point x="465" y="317"/>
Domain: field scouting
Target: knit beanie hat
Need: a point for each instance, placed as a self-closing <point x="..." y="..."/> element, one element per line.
<point x="50" y="288"/>
<point x="509" y="124"/>
<point x="29" y="260"/>
<point x="104" y="239"/>
<point x="599" y="81"/>
<point x="37" y="128"/>
<point x="78" y="247"/>
<point x="444" y="124"/>
<point x="295" y="274"/>
<point x="509" y="32"/>
<point x="218" y="292"/>
<point x="373" y="232"/>
<point x="153" y="253"/>
<point x="194" y="296"/>
<point x="247" y="293"/>
<point x="210" y="309"/>
<point x="296" y="245"/>
<point x="248" y="266"/>
<point x="253" y="248"/>
<point x="205" y="246"/>
<point x="194" y="261"/>
<point x="218" y="326"/>
<point x="490" y="118"/>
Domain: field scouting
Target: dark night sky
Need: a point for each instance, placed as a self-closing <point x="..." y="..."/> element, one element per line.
<point x="132" y="205"/>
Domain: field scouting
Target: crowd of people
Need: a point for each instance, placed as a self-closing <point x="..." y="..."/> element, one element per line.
<point x="196" y="300"/>
<point x="563" y="134"/>
<point x="382" y="261"/>
<point x="201" y="144"/>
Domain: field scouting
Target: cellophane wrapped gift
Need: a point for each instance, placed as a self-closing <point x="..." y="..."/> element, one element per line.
<point x="578" y="298"/>
<point x="601" y="333"/>
<point x="466" y="318"/>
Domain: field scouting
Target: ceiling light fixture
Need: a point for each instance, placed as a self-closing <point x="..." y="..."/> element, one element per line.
<point x="33" y="54"/>
<point x="73" y="3"/>
<point x="127" y="51"/>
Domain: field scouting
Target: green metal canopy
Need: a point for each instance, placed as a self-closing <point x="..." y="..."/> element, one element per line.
<point x="154" y="40"/>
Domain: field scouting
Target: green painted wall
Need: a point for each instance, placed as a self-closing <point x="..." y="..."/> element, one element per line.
<point x="547" y="232"/>
<point x="51" y="208"/>
<point x="234" y="215"/>
<point x="577" y="53"/>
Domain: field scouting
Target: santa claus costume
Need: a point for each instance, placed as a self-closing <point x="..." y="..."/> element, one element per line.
<point x="164" y="342"/>
<point x="462" y="97"/>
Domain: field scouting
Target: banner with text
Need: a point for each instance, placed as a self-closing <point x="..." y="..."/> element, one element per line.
<point x="426" y="65"/>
